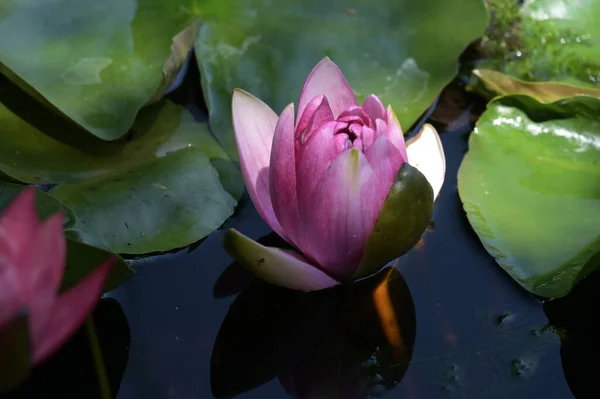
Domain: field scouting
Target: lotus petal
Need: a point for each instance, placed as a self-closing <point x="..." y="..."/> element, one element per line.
<point x="283" y="174"/>
<point x="254" y="124"/>
<point x="426" y="153"/>
<point x="274" y="265"/>
<point x="327" y="79"/>
<point x="342" y="212"/>
<point x="69" y="312"/>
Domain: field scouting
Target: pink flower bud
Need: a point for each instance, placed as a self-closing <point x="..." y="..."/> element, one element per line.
<point x="319" y="179"/>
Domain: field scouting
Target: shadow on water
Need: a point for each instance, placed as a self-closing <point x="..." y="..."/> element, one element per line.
<point x="71" y="373"/>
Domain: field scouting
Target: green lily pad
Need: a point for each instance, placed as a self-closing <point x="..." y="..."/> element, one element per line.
<point x="45" y="205"/>
<point x="164" y="146"/>
<point x="550" y="41"/>
<point x="96" y="63"/>
<point x="170" y="185"/>
<point x="530" y="185"/>
<point x="84" y="252"/>
<point x="401" y="50"/>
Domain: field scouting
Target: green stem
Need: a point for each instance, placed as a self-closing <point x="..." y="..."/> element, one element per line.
<point x="98" y="360"/>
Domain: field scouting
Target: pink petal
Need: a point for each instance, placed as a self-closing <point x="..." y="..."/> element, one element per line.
<point x="18" y="224"/>
<point x="327" y="79"/>
<point x="254" y="126"/>
<point x="276" y="266"/>
<point x="316" y="113"/>
<point x="368" y="136"/>
<point x="69" y="312"/>
<point x="41" y="269"/>
<point x="11" y="298"/>
<point x="313" y="159"/>
<point x="374" y="108"/>
<point x="342" y="142"/>
<point x="391" y="129"/>
<point x="358" y="113"/>
<point x="385" y="160"/>
<point x="341" y="215"/>
<point x="283" y="174"/>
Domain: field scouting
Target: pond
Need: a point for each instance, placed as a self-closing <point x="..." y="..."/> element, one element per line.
<point x="444" y="322"/>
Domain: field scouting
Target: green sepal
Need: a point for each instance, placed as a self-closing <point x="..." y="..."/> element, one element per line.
<point x="401" y="223"/>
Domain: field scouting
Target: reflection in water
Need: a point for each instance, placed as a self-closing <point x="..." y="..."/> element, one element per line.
<point x="71" y="373"/>
<point x="346" y="342"/>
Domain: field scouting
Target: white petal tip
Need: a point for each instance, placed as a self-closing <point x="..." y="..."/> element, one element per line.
<point x="426" y="153"/>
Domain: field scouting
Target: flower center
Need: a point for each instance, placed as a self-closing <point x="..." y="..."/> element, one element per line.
<point x="352" y="132"/>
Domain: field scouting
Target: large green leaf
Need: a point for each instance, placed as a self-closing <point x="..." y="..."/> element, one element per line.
<point x="550" y="41"/>
<point x="171" y="184"/>
<point x="405" y="51"/>
<point x="95" y="62"/>
<point x="530" y="185"/>
<point x="165" y="145"/>
<point x="84" y="253"/>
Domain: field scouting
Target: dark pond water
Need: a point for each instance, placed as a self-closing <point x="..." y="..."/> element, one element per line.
<point x="461" y="327"/>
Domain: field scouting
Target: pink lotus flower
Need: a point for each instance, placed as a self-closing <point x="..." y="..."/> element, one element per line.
<point x="321" y="180"/>
<point x="32" y="262"/>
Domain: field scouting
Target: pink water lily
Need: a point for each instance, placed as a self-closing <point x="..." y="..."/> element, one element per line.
<point x="319" y="179"/>
<point x="32" y="262"/>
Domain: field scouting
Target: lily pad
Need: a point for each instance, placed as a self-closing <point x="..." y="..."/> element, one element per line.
<point x="84" y="253"/>
<point x="530" y="185"/>
<point x="170" y="185"/>
<point x="165" y="144"/>
<point x="397" y="49"/>
<point x="552" y="41"/>
<point x="96" y="63"/>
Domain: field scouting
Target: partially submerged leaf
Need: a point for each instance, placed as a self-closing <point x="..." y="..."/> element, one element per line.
<point x="491" y="83"/>
<point x="530" y="185"/>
